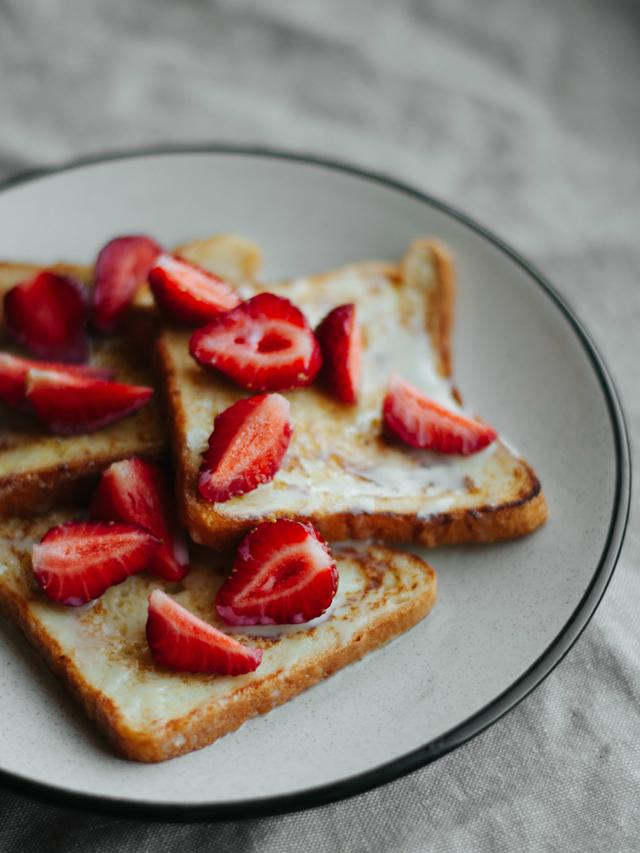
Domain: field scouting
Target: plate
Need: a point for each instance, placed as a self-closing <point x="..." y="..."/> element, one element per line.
<point x="506" y="614"/>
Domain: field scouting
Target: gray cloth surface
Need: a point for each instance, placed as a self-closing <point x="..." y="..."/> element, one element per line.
<point x="524" y="114"/>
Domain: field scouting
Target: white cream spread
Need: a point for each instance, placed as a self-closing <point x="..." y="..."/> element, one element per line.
<point x="106" y="639"/>
<point x="337" y="461"/>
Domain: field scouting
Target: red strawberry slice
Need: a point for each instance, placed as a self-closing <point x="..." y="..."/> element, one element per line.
<point x="48" y="314"/>
<point x="181" y="641"/>
<point x="420" y="422"/>
<point x="121" y="267"/>
<point x="283" y="574"/>
<point x="246" y="447"/>
<point x="77" y="561"/>
<point x="265" y="344"/>
<point x="340" y="341"/>
<point x="13" y="375"/>
<point x="136" y="491"/>
<point x="188" y="294"/>
<point x="69" y="405"/>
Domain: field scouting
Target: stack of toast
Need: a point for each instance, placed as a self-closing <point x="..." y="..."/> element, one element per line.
<point x="341" y="473"/>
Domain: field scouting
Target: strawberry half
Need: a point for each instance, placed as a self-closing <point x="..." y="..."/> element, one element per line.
<point x="340" y="341"/>
<point x="183" y="642"/>
<point x="135" y="490"/>
<point x="265" y="344"/>
<point x="246" y="447"/>
<point x="13" y="375"/>
<point x="48" y="314"/>
<point x="77" y="561"/>
<point x="121" y="267"/>
<point x="420" y="422"/>
<point x="188" y="294"/>
<point x="283" y="574"/>
<point x="69" y="405"/>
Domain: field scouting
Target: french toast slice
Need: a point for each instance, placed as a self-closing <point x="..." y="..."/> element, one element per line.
<point x="152" y="714"/>
<point x="39" y="470"/>
<point x="339" y="471"/>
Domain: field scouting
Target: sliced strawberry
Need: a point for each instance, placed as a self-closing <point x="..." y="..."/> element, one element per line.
<point x="77" y="561"/>
<point x="340" y="341"/>
<point x="283" y="574"/>
<point x="48" y="315"/>
<point x="121" y="267"/>
<point x="265" y="344"/>
<point x="69" y="405"/>
<point x="136" y="491"/>
<point x="13" y="375"/>
<point x="420" y="422"/>
<point x="182" y="641"/>
<point x="246" y="447"/>
<point x="188" y="294"/>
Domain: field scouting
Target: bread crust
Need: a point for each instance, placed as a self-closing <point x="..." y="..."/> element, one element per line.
<point x="488" y="523"/>
<point x="207" y="723"/>
<point x="36" y="492"/>
<point x="442" y="300"/>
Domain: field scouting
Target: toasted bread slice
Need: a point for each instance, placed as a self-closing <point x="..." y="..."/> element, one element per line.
<point x="151" y="714"/>
<point x="339" y="471"/>
<point x="38" y="470"/>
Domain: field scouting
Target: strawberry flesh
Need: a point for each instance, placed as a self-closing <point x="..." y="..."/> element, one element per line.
<point x="79" y="560"/>
<point x="283" y="574"/>
<point x="187" y="294"/>
<point x="13" y="376"/>
<point x="421" y="422"/>
<point x="48" y="314"/>
<point x="246" y="447"/>
<point x="183" y="642"/>
<point x="340" y="341"/>
<point x="265" y="344"/>
<point x="136" y="491"/>
<point x="121" y="267"/>
<point x="70" y="404"/>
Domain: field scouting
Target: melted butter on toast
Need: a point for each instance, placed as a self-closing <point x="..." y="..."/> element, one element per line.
<point x="338" y="461"/>
<point x="105" y="640"/>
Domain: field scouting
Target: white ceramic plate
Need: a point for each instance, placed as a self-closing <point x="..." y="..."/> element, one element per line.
<point x="506" y="613"/>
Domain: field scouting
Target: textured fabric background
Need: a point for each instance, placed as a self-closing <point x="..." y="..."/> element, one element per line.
<point x="526" y="115"/>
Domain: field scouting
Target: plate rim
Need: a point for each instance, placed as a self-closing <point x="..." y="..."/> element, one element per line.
<point x="497" y="707"/>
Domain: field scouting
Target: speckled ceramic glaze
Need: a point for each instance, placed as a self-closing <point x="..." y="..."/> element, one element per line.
<point x="506" y="613"/>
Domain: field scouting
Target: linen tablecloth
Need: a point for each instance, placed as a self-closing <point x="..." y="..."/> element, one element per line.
<point x="527" y="116"/>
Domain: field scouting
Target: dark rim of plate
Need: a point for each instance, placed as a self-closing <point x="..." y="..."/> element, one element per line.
<point x="507" y="700"/>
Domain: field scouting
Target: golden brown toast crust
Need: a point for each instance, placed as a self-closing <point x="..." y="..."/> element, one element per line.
<point x="208" y="722"/>
<point x="34" y="492"/>
<point x="441" y="303"/>
<point x="521" y="514"/>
